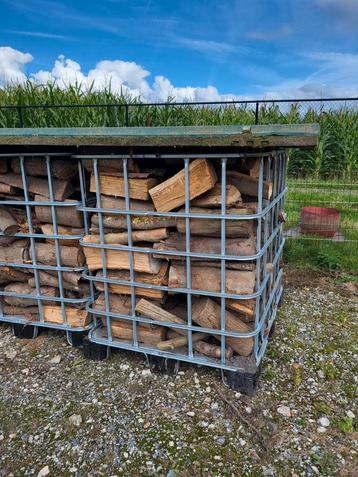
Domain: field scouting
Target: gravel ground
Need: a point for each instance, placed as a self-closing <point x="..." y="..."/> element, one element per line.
<point x="63" y="416"/>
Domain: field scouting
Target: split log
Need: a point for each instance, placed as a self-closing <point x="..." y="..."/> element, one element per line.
<point x="52" y="314"/>
<point x="65" y="215"/>
<point x="119" y="259"/>
<point x="244" y="307"/>
<point x="212" y="227"/>
<point x="210" y="245"/>
<point x="47" y="229"/>
<point x="212" y="198"/>
<point x="119" y="203"/>
<point x="208" y="279"/>
<point x="3" y="165"/>
<point x="207" y="313"/>
<point x="14" y="253"/>
<point x="69" y="256"/>
<point x="8" y="227"/>
<point x="122" y="238"/>
<point x="171" y="194"/>
<point x="117" y="304"/>
<point x="180" y="340"/>
<point x="11" y="274"/>
<point x="111" y="165"/>
<point x="150" y="310"/>
<point x="7" y="189"/>
<point x="24" y="289"/>
<point x="60" y="168"/>
<point x="113" y="184"/>
<point x="139" y="222"/>
<point x="248" y="185"/>
<point x="39" y="186"/>
<point x="52" y="281"/>
<point x="161" y="278"/>
<point x="229" y="264"/>
<point x="71" y="278"/>
<point x="149" y="335"/>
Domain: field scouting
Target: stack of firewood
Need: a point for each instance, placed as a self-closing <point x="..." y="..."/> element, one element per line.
<point x="150" y="191"/>
<point x="18" y="250"/>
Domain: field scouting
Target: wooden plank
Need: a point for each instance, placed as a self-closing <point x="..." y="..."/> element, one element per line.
<point x="119" y="259"/>
<point x="212" y="198"/>
<point x="39" y="186"/>
<point x="170" y="194"/>
<point x="206" y="312"/>
<point x="208" y="279"/>
<point x="113" y="184"/>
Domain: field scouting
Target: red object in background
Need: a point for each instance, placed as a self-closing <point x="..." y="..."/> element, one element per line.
<point x="323" y="221"/>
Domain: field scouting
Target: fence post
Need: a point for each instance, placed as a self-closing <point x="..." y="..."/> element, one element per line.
<point x="21" y="117"/>
<point x="257" y="112"/>
<point x="126" y="115"/>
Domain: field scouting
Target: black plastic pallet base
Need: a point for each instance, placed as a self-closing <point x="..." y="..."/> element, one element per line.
<point x="246" y="379"/>
<point x="95" y="351"/>
<point x="25" y="332"/>
<point x="162" y="365"/>
<point x="75" y="338"/>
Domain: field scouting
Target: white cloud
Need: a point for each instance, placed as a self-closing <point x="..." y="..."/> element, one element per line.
<point x="12" y="64"/>
<point x="269" y="35"/>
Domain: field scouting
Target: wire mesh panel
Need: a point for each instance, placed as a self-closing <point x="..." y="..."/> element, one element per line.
<point x="184" y="253"/>
<point x="41" y="262"/>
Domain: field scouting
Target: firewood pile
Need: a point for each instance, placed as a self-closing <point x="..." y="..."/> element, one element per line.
<point x="17" y="249"/>
<point x="163" y="191"/>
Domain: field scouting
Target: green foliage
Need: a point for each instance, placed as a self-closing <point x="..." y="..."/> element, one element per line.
<point x="328" y="260"/>
<point x="336" y="153"/>
<point x="346" y="425"/>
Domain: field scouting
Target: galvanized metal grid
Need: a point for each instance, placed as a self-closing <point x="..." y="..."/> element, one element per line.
<point x="269" y="247"/>
<point x="35" y="265"/>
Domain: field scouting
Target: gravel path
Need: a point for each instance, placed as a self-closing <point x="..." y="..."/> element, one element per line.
<point x="63" y="416"/>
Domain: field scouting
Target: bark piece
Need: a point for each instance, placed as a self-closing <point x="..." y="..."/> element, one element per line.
<point x="39" y="186"/>
<point x="212" y="198"/>
<point x="170" y="194"/>
<point x="113" y="184"/>
<point x="212" y="227"/>
<point x="60" y="168"/>
<point x="248" y="185"/>
<point x="206" y="312"/>
<point x="69" y="256"/>
<point x="119" y="259"/>
<point x="65" y="215"/>
<point x="208" y="279"/>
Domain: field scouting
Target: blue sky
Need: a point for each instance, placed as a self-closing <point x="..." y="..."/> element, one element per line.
<point x="190" y="49"/>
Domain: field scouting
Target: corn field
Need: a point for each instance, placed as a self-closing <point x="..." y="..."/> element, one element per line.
<point x="50" y="106"/>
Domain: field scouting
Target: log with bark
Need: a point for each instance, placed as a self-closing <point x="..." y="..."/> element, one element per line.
<point x="3" y="165"/>
<point x="111" y="165"/>
<point x="119" y="203"/>
<point x="120" y="259"/>
<point x="139" y="184"/>
<point x="210" y="245"/>
<point x="52" y="281"/>
<point x="69" y="256"/>
<point x="208" y="279"/>
<point x="39" y="186"/>
<point x="72" y="278"/>
<point x="207" y="313"/>
<point x="139" y="222"/>
<point x="146" y="334"/>
<point x="8" y="227"/>
<point x="11" y="274"/>
<point x="229" y="264"/>
<point x="155" y="312"/>
<point x="48" y="229"/>
<point x="212" y="227"/>
<point x="65" y="215"/>
<point x="152" y="235"/>
<point x="212" y="198"/>
<point x="60" y="168"/>
<point x="248" y="185"/>
<point x="25" y="289"/>
<point x="15" y="252"/>
<point x="161" y="278"/>
<point x="170" y="194"/>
